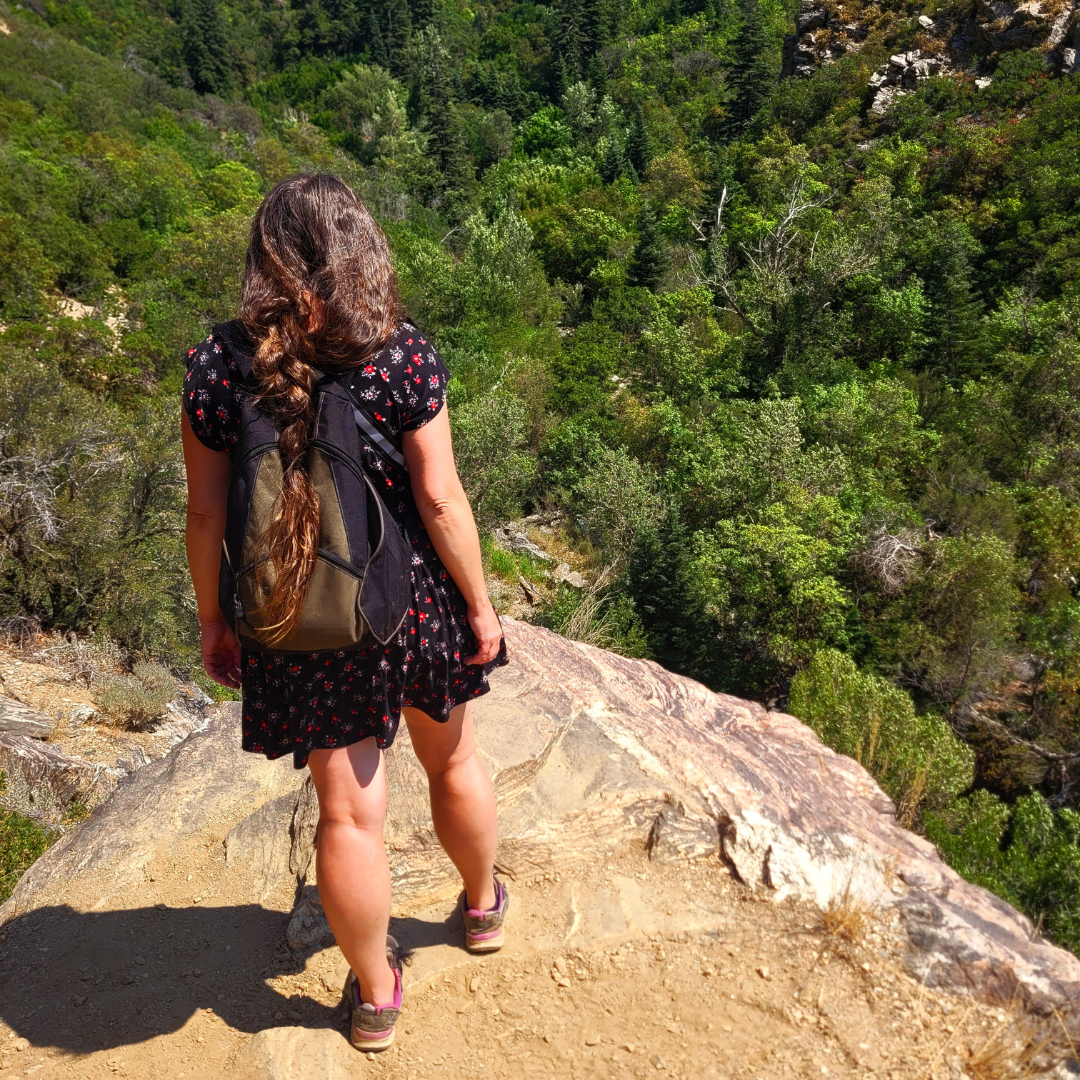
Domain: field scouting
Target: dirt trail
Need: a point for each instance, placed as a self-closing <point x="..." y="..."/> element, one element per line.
<point x="620" y="969"/>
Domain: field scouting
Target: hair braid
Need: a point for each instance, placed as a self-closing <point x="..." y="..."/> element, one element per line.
<point x="319" y="294"/>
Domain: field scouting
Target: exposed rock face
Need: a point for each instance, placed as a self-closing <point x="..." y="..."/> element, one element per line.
<point x="42" y="783"/>
<point x="819" y="38"/>
<point x="903" y="72"/>
<point x="997" y="26"/>
<point x="18" y="718"/>
<point x="153" y="810"/>
<point x="588" y="751"/>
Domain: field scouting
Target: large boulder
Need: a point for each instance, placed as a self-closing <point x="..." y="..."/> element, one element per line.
<point x="590" y="752"/>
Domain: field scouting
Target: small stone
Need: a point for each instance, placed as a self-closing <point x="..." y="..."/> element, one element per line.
<point x="140" y="959"/>
<point x="80" y="1000"/>
<point x="196" y="899"/>
<point x="294" y="1016"/>
<point x="279" y="1016"/>
<point x="560" y="965"/>
<point x="628" y="1047"/>
<point x="21" y="1044"/>
<point x="474" y="984"/>
<point x="658" y="1062"/>
<point x="592" y="1040"/>
<point x="763" y="971"/>
<point x="926" y="22"/>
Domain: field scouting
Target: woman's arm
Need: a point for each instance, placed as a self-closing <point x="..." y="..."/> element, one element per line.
<point x="208" y="474"/>
<point x="448" y="519"/>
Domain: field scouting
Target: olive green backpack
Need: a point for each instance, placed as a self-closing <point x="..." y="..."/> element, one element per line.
<point x="361" y="588"/>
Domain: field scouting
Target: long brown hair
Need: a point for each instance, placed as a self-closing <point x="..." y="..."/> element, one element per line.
<point x="319" y="294"/>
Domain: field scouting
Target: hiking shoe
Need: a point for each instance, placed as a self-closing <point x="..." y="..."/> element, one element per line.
<point x="484" y="929"/>
<point x="373" y="1025"/>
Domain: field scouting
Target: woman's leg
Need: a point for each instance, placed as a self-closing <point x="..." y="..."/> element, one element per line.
<point x="350" y="862"/>
<point x="462" y="799"/>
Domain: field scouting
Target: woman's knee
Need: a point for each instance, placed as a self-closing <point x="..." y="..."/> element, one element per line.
<point x="351" y="785"/>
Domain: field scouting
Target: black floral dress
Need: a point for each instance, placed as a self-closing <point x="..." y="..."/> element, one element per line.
<point x="296" y="704"/>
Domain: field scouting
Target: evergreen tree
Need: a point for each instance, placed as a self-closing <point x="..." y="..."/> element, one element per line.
<point x="377" y="43"/>
<point x="457" y="170"/>
<point x="612" y="165"/>
<point x="752" y="75"/>
<point x="206" y="47"/>
<point x="649" y="260"/>
<point x="398" y="21"/>
<point x="639" y="150"/>
<point x="571" y="43"/>
<point x="422" y="12"/>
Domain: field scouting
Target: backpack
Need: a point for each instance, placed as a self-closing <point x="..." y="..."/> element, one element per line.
<point x="361" y="589"/>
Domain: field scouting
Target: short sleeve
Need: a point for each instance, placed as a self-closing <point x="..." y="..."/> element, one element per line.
<point x="419" y="378"/>
<point x="212" y="395"/>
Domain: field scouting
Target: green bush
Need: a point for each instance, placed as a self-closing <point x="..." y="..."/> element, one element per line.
<point x="915" y="757"/>
<point x="1028" y="854"/>
<point x="21" y="843"/>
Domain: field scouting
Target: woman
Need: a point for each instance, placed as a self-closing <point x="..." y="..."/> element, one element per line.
<point x="319" y="296"/>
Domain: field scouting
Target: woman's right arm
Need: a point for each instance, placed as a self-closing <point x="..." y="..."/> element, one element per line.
<point x="208" y="473"/>
<point x="444" y="509"/>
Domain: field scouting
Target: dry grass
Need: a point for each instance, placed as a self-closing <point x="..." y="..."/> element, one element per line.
<point x="847" y="917"/>
<point x="1012" y="1050"/>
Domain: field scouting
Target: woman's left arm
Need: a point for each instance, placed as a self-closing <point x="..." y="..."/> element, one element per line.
<point x="208" y="473"/>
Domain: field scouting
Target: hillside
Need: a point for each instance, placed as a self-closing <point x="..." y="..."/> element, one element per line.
<point x="770" y="318"/>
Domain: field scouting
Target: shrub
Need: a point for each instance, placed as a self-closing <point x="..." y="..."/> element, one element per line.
<point x="21" y="843"/>
<point x="916" y="758"/>
<point x="1028" y="855"/>
<point x="135" y="700"/>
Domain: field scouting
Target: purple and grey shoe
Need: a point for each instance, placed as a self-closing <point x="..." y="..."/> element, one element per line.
<point x="373" y="1025"/>
<point x="484" y="929"/>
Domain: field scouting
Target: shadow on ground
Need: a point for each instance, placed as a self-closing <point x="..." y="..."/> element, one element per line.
<point x="97" y="980"/>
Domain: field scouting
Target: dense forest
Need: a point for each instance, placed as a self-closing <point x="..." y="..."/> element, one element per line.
<point x="796" y="380"/>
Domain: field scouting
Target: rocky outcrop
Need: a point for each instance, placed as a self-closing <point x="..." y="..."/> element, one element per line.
<point x="592" y="753"/>
<point x="820" y="38"/>
<point x="17" y="718"/>
<point x="945" y="48"/>
<point x="901" y="74"/>
<point x="1029" y="24"/>
<point x="43" y="784"/>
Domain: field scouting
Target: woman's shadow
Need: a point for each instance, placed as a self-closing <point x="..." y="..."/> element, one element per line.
<point x="86" y="981"/>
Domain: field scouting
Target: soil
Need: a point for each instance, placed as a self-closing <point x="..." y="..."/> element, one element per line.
<point x="47" y="676"/>
<point x="192" y="981"/>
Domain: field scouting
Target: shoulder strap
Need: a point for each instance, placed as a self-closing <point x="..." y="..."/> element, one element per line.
<point x="380" y="436"/>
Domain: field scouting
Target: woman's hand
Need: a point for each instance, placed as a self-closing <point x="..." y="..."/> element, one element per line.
<point x="221" y="654"/>
<point x="488" y="630"/>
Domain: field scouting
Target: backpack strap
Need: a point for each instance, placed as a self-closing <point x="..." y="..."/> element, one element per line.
<point x="379" y="435"/>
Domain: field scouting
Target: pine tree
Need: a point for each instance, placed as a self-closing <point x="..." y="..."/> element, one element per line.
<point x="639" y="150"/>
<point x="377" y="43"/>
<point x="206" y="47"/>
<point x="571" y="44"/>
<point x="398" y="21"/>
<point x="649" y="260"/>
<point x="457" y="169"/>
<point x="422" y="12"/>
<point x="612" y="165"/>
<point x="752" y="75"/>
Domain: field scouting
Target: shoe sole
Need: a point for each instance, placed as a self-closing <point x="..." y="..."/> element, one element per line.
<point x="380" y="1043"/>
<point x="491" y="944"/>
